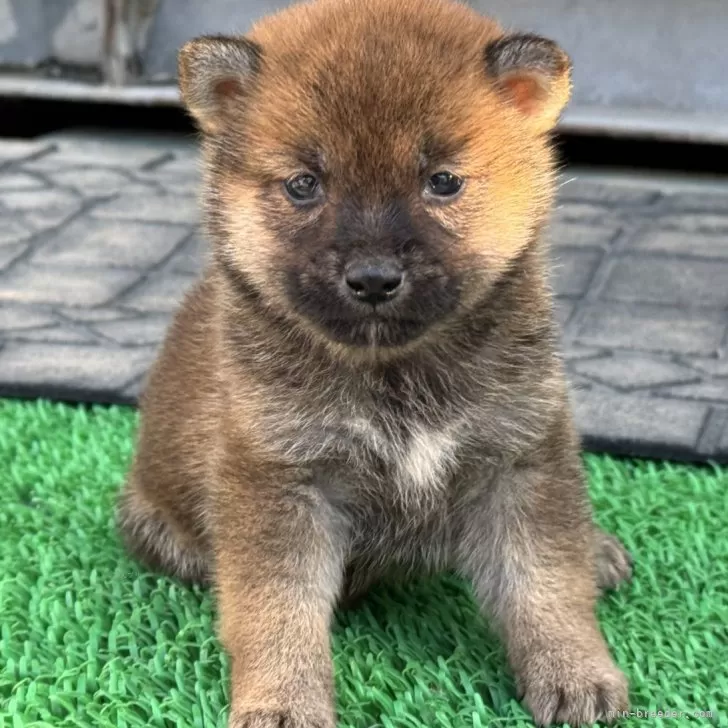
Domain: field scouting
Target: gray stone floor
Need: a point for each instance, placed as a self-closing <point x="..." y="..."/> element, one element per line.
<point x="99" y="238"/>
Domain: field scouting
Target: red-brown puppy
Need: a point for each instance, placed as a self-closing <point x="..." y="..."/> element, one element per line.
<point x="364" y="379"/>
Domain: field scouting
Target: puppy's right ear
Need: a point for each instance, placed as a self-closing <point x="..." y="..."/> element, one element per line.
<point x="214" y="72"/>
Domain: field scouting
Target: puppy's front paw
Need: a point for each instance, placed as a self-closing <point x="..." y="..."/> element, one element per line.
<point x="576" y="694"/>
<point x="275" y="719"/>
<point x="614" y="563"/>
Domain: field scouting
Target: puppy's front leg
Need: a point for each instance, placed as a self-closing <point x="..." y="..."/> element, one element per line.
<point x="279" y="566"/>
<point x="528" y="544"/>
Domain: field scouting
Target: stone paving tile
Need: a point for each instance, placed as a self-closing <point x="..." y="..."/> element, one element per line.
<point x="92" y="181"/>
<point x="160" y="293"/>
<point x="584" y="212"/>
<point x="710" y="203"/>
<point x="714" y="367"/>
<point x="90" y="242"/>
<point x="668" y="282"/>
<point x="147" y="329"/>
<point x="133" y="391"/>
<point x="46" y="199"/>
<point x="41" y="208"/>
<point x="563" y="311"/>
<point x="693" y="222"/>
<point x="627" y="371"/>
<point x="99" y="240"/>
<point x="186" y="163"/>
<point x="164" y="208"/>
<point x="572" y="272"/>
<point x="580" y="235"/>
<point x="662" y="427"/>
<point x="14" y="317"/>
<point x="680" y="242"/>
<point x="55" y="334"/>
<point x="715" y="391"/>
<point x="191" y="257"/>
<point x="721" y="451"/>
<point x="77" y="287"/>
<point x="98" y="153"/>
<point x="648" y="328"/>
<point x="10" y="252"/>
<point x="713" y="440"/>
<point x="20" y="181"/>
<point x="182" y="182"/>
<point x="68" y="370"/>
<point x="91" y="315"/>
<point x="606" y="194"/>
<point x="12" y="150"/>
<point x="13" y="230"/>
<point x="578" y="353"/>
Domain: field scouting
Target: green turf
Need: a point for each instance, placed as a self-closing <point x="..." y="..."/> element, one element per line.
<point x="91" y="639"/>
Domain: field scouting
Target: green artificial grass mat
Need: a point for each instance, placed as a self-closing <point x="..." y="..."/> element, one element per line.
<point x="89" y="638"/>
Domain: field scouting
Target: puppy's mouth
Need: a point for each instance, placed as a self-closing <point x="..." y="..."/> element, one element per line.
<point x="382" y="321"/>
<point x="373" y="331"/>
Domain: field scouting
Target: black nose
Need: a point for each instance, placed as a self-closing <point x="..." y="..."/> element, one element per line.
<point x="374" y="281"/>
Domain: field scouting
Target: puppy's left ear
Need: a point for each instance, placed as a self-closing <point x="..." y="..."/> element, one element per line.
<point x="533" y="74"/>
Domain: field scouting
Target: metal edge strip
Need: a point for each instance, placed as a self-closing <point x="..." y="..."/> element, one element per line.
<point x="658" y="124"/>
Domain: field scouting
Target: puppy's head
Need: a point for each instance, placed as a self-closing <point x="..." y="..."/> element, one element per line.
<point x="374" y="166"/>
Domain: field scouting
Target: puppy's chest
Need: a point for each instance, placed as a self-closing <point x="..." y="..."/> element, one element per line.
<point x="397" y="454"/>
<point x="413" y="457"/>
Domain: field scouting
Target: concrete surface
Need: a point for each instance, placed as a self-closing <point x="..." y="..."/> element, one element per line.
<point x="98" y="241"/>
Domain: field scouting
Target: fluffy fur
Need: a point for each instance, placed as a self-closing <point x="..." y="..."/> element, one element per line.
<point x="297" y="445"/>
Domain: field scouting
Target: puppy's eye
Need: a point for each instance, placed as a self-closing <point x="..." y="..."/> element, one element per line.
<point x="303" y="188"/>
<point x="444" y="184"/>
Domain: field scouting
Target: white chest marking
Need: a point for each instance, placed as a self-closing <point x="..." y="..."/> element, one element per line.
<point x="426" y="458"/>
<point x="420" y="460"/>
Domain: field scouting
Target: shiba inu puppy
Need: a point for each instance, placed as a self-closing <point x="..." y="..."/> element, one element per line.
<point x="364" y="380"/>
